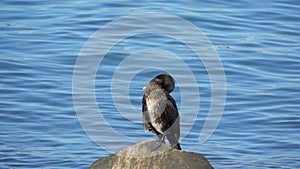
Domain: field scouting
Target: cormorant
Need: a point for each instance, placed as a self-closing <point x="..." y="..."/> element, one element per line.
<point x="160" y="114"/>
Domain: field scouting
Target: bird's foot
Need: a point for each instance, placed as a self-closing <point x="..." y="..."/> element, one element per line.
<point x="157" y="143"/>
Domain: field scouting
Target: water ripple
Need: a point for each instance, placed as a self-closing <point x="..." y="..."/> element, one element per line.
<point x="257" y="42"/>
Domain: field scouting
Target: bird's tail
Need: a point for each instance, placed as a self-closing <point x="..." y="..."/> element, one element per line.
<point x="177" y="146"/>
<point x="174" y="140"/>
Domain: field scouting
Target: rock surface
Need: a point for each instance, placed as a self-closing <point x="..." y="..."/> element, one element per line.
<point x="140" y="156"/>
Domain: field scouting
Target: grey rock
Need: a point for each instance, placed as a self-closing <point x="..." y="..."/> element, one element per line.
<point x="141" y="156"/>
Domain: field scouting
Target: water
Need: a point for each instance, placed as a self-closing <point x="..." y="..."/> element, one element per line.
<point x="258" y="44"/>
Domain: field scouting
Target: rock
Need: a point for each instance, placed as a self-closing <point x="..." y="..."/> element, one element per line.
<point x="140" y="156"/>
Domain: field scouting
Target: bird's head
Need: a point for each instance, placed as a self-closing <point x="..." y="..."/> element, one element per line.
<point x="164" y="81"/>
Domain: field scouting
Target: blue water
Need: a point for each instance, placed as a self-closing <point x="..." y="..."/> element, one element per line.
<point x="258" y="43"/>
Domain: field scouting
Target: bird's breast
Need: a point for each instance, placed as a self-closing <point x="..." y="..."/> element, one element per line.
<point x="156" y="104"/>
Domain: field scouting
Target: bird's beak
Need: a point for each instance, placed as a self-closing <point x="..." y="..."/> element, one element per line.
<point x="144" y="88"/>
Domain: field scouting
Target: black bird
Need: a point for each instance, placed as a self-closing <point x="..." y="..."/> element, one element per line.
<point x="160" y="114"/>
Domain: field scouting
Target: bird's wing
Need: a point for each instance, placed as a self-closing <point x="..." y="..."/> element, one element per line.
<point x="172" y="117"/>
<point x="145" y="115"/>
